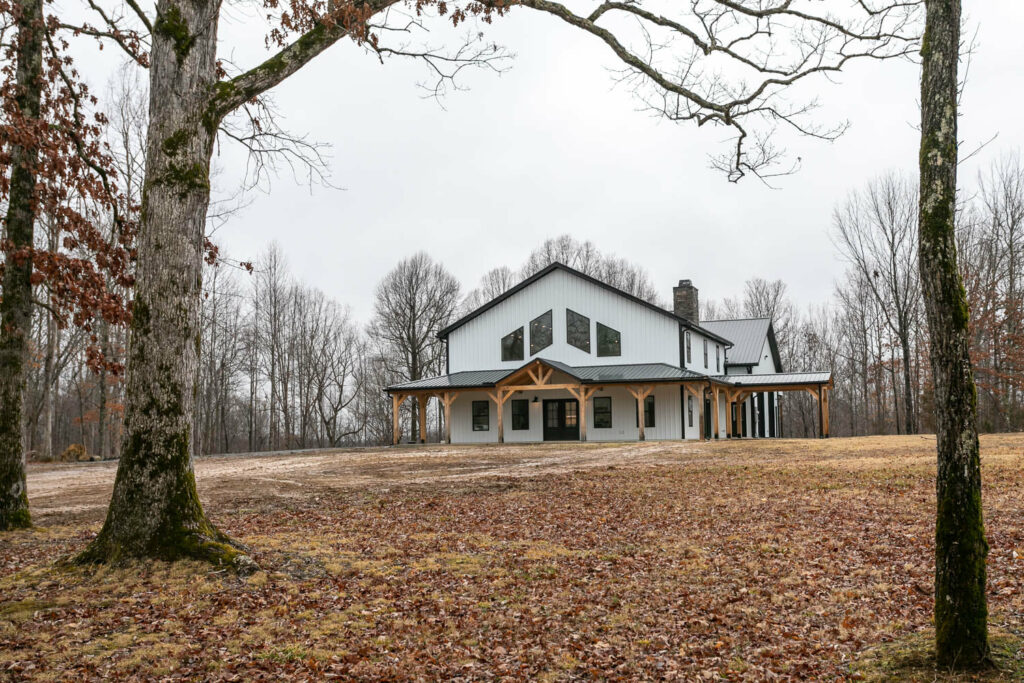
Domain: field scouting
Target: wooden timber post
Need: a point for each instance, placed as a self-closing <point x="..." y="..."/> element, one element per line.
<point x="499" y="397"/>
<point x="447" y="399"/>
<point x="640" y="394"/>
<point x="716" y="427"/>
<point x="821" y="414"/>
<point x="396" y="403"/>
<point x="422" y="399"/>
<point x="583" y="394"/>
<point x="825" y="410"/>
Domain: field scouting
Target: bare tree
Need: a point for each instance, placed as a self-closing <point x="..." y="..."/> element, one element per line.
<point x="876" y="231"/>
<point x="413" y="302"/>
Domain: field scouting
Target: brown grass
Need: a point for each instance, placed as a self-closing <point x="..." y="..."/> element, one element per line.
<point x="733" y="560"/>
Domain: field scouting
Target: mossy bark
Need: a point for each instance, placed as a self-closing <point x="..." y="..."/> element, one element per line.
<point x="961" y="614"/>
<point x="16" y="302"/>
<point x="155" y="511"/>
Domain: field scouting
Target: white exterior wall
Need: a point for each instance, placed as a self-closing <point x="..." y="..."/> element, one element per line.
<point x="696" y="361"/>
<point x="646" y="335"/>
<point x="667" y="417"/>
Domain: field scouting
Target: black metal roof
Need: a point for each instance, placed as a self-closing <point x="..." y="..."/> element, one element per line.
<point x="443" y="334"/>
<point x="748" y="336"/>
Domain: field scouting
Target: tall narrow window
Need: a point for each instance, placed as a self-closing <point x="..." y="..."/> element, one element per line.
<point x="689" y="409"/>
<point x="520" y="414"/>
<point x="689" y="348"/>
<point x="540" y="333"/>
<point x="602" y="412"/>
<point x="648" y="412"/>
<point x="718" y="358"/>
<point x="577" y="330"/>
<point x="512" y="345"/>
<point x="609" y="341"/>
<point x="481" y="416"/>
<point x="705" y="354"/>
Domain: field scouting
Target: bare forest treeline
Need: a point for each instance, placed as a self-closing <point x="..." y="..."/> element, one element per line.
<point x="284" y="366"/>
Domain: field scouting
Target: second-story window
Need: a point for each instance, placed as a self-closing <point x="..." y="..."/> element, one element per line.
<point x="689" y="348"/>
<point x="512" y="345"/>
<point x="705" y="354"/>
<point x="718" y="358"/>
<point x="577" y="330"/>
<point x="609" y="341"/>
<point x="540" y="333"/>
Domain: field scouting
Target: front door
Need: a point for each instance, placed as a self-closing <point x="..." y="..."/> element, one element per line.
<point x="561" y="419"/>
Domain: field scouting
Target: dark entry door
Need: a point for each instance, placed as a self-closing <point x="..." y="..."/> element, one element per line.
<point x="561" y="419"/>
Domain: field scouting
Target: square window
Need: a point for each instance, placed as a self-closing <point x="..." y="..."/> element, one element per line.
<point x="648" y="412"/>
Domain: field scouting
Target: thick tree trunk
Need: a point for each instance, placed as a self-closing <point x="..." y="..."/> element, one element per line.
<point x="16" y="302"/>
<point x="155" y="510"/>
<point x="961" y="635"/>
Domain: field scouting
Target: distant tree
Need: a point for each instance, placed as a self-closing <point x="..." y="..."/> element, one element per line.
<point x="415" y="301"/>
<point x="493" y="284"/>
<point x="876" y="230"/>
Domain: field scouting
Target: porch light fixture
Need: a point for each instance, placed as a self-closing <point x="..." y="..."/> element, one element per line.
<point x="536" y="400"/>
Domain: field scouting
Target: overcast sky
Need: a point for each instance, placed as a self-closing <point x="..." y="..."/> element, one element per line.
<point x="552" y="147"/>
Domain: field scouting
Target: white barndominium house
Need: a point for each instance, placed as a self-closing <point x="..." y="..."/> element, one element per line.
<point x="565" y="357"/>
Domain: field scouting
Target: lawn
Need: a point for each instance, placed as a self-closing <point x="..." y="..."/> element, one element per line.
<point x="734" y="560"/>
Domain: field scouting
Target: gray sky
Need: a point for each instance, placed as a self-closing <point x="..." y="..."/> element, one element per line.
<point x="553" y="147"/>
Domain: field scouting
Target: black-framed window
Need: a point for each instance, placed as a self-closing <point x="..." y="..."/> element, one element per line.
<point x="540" y="333"/>
<point x="512" y="345"/>
<point x="602" y="412"/>
<point x="705" y="354"/>
<point x="718" y="358"/>
<point x="577" y="330"/>
<point x="689" y="348"/>
<point x="481" y="416"/>
<point x="609" y="341"/>
<point x="689" y="409"/>
<point x="520" y="414"/>
<point x="648" y="412"/>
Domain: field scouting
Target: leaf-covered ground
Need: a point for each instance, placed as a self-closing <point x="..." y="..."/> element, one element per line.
<point x="751" y="560"/>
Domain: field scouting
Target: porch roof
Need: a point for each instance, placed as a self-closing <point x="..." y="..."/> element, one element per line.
<point x="588" y="374"/>
<point x="776" y="379"/>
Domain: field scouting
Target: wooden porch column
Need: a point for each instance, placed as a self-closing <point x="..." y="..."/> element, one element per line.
<point x="716" y="427"/>
<point x="821" y="415"/>
<point x="825" y="410"/>
<point x="499" y="398"/>
<point x="640" y="394"/>
<point x="447" y="399"/>
<point x="582" y="394"/>
<point x="396" y="403"/>
<point x="422" y="399"/>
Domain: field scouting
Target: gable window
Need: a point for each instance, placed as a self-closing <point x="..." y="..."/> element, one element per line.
<point x="718" y="358"/>
<point x="512" y="345"/>
<point x="520" y="414"/>
<point x="648" y="412"/>
<point x="689" y="348"/>
<point x="602" y="412"/>
<point x="705" y="354"/>
<point x="609" y="341"/>
<point x="577" y="330"/>
<point x="540" y="333"/>
<point x="481" y="416"/>
<point x="689" y="409"/>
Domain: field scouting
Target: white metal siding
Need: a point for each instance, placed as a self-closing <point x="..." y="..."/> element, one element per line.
<point x="647" y="336"/>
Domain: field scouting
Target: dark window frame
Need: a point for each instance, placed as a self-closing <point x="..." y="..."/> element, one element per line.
<point x="648" y="412"/>
<point x="534" y="324"/>
<point x="689" y="348"/>
<point x="524" y="405"/>
<point x="508" y="352"/>
<point x="689" y="408"/>
<point x="601" y="412"/>
<point x="705" y="354"/>
<point x="602" y="350"/>
<point x="718" y="358"/>
<point x="484" y="426"/>
<point x="569" y="329"/>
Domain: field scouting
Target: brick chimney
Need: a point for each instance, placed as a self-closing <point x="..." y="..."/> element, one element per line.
<point x="685" y="302"/>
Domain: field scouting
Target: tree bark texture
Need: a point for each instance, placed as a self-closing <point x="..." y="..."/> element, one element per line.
<point x="961" y="636"/>
<point x="16" y="303"/>
<point x="155" y="510"/>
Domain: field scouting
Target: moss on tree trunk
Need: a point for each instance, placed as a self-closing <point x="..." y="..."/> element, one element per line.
<point x="155" y="510"/>
<point x="16" y="303"/>
<point x="961" y="614"/>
